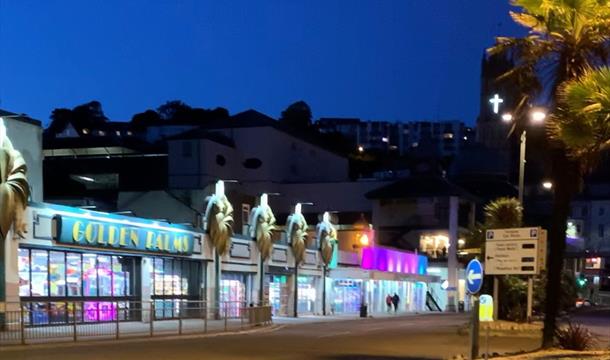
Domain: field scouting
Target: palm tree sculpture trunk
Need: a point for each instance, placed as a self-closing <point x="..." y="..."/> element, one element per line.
<point x="14" y="193"/>
<point x="218" y="224"/>
<point x="326" y="237"/>
<point x="296" y="232"/>
<point x="262" y="224"/>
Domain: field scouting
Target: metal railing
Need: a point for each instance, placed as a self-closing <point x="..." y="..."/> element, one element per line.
<point x="39" y="322"/>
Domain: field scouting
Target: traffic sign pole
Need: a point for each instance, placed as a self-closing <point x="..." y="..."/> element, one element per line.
<point x="474" y="331"/>
<point x="530" y="297"/>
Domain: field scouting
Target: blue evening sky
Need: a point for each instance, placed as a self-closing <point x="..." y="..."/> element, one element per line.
<point x="377" y="59"/>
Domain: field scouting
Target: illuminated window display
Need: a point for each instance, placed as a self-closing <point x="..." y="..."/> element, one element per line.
<point x="234" y="292"/>
<point x="279" y="289"/>
<point x="346" y="296"/>
<point x="50" y="280"/>
<point x="307" y="294"/>
<point x="174" y="282"/>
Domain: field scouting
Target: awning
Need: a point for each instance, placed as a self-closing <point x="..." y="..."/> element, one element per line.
<point x="361" y="274"/>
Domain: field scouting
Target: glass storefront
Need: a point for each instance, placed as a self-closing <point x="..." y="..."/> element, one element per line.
<point x="234" y="292"/>
<point x="174" y="283"/>
<point x="279" y="290"/>
<point x="411" y="295"/>
<point x="307" y="294"/>
<point x="346" y="296"/>
<point x="50" y="279"/>
<point x="101" y="286"/>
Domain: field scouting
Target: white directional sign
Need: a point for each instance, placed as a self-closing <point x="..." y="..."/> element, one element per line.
<point x="513" y="251"/>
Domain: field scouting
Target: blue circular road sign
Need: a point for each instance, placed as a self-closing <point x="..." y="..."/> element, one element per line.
<point x="474" y="276"/>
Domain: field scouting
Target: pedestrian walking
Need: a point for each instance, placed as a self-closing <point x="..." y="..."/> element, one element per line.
<point x="388" y="302"/>
<point x="395" y="301"/>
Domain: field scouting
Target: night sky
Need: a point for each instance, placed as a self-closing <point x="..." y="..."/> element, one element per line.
<point x="378" y="60"/>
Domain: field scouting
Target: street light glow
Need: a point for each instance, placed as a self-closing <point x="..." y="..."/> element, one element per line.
<point x="538" y="116"/>
<point x="507" y="117"/>
<point x="547" y="185"/>
<point x="361" y="148"/>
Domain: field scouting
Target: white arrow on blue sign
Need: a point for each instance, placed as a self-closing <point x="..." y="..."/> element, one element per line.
<point x="474" y="276"/>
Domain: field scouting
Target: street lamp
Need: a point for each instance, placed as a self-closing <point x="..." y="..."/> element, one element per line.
<point x="537" y="116"/>
<point x="547" y="185"/>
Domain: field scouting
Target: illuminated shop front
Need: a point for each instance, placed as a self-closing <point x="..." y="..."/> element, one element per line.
<point x="382" y="272"/>
<point x="346" y="295"/>
<point x="279" y="292"/>
<point x="307" y="294"/>
<point x="235" y="291"/>
<point x="92" y="267"/>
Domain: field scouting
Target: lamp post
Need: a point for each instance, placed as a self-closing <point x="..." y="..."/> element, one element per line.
<point x="296" y="230"/>
<point x="537" y="116"/>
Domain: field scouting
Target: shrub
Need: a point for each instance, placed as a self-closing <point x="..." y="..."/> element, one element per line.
<point x="574" y="337"/>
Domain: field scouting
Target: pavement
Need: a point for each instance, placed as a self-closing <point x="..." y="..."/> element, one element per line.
<point x="337" y="337"/>
<point x="396" y="337"/>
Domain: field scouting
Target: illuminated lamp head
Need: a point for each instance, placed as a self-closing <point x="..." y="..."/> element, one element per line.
<point x="297" y="208"/>
<point x="364" y="240"/>
<point x="220" y="188"/>
<point x="264" y="200"/>
<point x="326" y="217"/>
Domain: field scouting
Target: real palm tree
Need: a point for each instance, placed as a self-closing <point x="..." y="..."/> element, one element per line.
<point x="565" y="38"/>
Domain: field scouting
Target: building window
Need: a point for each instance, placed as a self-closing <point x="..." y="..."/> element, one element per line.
<point x="448" y="136"/>
<point x="118" y="133"/>
<point x="187" y="150"/>
<point x="584" y="211"/>
<point x="85" y="131"/>
<point x="601" y="211"/>
<point x="600" y="230"/>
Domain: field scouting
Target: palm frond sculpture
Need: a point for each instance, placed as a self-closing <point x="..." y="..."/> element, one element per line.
<point x="296" y="232"/>
<point x="218" y="220"/>
<point x="14" y="188"/>
<point x="327" y="238"/>
<point x="262" y="224"/>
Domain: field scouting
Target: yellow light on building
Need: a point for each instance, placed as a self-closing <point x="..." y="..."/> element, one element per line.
<point x="364" y="240"/>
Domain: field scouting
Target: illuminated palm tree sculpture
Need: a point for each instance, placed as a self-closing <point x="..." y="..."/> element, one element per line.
<point x="218" y="224"/>
<point x="262" y="224"/>
<point x="326" y="236"/>
<point x="296" y="233"/>
<point x="14" y="193"/>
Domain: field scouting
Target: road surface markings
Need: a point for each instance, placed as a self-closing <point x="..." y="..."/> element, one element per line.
<point x="335" y="334"/>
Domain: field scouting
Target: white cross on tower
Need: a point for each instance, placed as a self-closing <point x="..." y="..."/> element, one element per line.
<point x="496" y="101"/>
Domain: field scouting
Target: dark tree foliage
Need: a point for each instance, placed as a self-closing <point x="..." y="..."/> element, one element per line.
<point x="178" y="111"/>
<point x="86" y="116"/>
<point x="297" y="116"/>
<point x="146" y="118"/>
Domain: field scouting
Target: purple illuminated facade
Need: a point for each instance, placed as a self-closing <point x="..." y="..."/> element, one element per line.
<point x="388" y="260"/>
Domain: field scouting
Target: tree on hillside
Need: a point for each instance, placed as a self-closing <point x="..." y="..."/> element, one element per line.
<point x="297" y="116"/>
<point x="86" y="116"/>
<point x="144" y="119"/>
<point x="565" y="38"/>
<point x="174" y="110"/>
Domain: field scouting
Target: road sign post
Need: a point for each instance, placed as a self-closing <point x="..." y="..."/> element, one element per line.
<point x="474" y="282"/>
<point x="516" y="251"/>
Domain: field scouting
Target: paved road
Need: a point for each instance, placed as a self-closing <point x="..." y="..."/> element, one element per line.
<point x="432" y="336"/>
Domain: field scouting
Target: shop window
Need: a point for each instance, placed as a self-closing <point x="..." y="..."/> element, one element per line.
<point x="89" y="275"/>
<point x="73" y="274"/>
<point x="119" y="278"/>
<point x="158" y="276"/>
<point x="24" y="272"/>
<point x="168" y="278"/>
<point x="57" y="273"/>
<point x="104" y="274"/>
<point x="39" y="274"/>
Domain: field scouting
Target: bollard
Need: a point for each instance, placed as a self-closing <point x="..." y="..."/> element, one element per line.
<point x="226" y="315"/>
<point x="205" y="318"/>
<point x="180" y="318"/>
<point x="74" y="330"/>
<point x="151" y="317"/>
<point x="21" y="322"/>
<point x="116" y="307"/>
